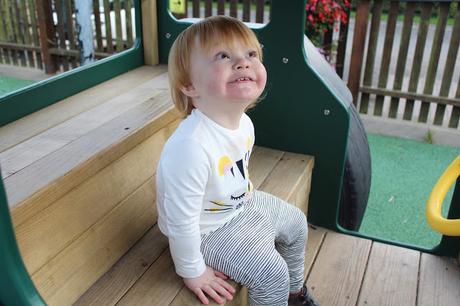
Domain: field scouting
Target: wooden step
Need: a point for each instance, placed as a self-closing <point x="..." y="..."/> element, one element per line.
<point x="76" y="185"/>
<point x="144" y="277"/>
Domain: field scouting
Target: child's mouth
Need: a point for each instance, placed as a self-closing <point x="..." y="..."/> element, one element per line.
<point x="242" y="79"/>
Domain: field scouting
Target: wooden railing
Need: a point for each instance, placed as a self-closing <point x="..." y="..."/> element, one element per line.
<point x="42" y="33"/>
<point x="419" y="81"/>
<point x="247" y="10"/>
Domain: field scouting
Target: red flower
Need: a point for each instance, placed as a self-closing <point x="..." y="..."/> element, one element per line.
<point x="323" y="14"/>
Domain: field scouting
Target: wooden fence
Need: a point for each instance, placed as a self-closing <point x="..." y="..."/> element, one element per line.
<point x="416" y="62"/>
<point x="259" y="11"/>
<point x="42" y="33"/>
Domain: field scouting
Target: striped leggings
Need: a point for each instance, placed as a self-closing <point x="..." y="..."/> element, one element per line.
<point x="263" y="248"/>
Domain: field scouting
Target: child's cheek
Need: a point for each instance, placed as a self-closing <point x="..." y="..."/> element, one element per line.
<point x="216" y="79"/>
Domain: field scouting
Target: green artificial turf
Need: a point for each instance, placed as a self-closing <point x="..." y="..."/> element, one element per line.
<point x="8" y="84"/>
<point x="403" y="175"/>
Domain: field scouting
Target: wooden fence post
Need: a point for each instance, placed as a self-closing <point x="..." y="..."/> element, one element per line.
<point x="46" y="28"/>
<point x="357" y="53"/>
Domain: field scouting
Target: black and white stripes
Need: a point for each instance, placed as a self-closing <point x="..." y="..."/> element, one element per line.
<point x="263" y="248"/>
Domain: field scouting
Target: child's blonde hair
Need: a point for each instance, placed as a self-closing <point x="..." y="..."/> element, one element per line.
<point x="208" y="31"/>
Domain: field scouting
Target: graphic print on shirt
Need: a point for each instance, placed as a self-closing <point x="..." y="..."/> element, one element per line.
<point x="234" y="174"/>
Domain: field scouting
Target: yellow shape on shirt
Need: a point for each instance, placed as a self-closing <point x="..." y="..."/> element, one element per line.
<point x="225" y="164"/>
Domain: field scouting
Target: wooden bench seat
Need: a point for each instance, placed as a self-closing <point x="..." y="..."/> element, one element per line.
<point x="145" y="275"/>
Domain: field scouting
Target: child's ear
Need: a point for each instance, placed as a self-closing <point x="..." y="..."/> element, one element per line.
<point x="189" y="91"/>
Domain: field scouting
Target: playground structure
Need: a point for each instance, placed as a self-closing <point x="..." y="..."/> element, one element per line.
<point x="80" y="193"/>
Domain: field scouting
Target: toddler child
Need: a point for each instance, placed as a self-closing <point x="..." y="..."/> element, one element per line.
<point x="218" y="226"/>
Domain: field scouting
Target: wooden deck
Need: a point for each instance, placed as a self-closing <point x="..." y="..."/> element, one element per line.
<point x="341" y="269"/>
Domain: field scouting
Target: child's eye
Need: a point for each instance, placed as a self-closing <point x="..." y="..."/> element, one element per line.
<point x="222" y="55"/>
<point x="252" y="53"/>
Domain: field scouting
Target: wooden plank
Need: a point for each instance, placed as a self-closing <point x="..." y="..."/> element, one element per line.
<point x="262" y="162"/>
<point x="234" y="8"/>
<point x="46" y="27"/>
<point x="342" y="44"/>
<point x="10" y="30"/>
<point x="288" y="172"/>
<point x="19" y="30"/>
<point x="339" y="269"/>
<point x="391" y="276"/>
<point x="455" y="116"/>
<point x="439" y="281"/>
<point x="113" y="285"/>
<point x="118" y="33"/>
<point x="7" y="29"/>
<point x="27" y="152"/>
<point x="260" y="11"/>
<point x="207" y="8"/>
<point x="186" y="298"/>
<point x="246" y="10"/>
<point x="128" y="5"/>
<point x="418" y="56"/>
<point x="301" y="195"/>
<point x="449" y="68"/>
<point x="370" y="58"/>
<point x="196" y="8"/>
<point x="158" y="285"/>
<point x="97" y="23"/>
<point x="3" y="54"/>
<point x="68" y="11"/>
<point x="26" y="39"/>
<point x="35" y="38"/>
<point x="386" y="57"/>
<point x="402" y="56"/>
<point x="315" y="240"/>
<point x="29" y="126"/>
<point x="221" y="7"/>
<point x="150" y="32"/>
<point x="434" y="58"/>
<point x="357" y="52"/>
<point x="75" y="212"/>
<point x="411" y="95"/>
<point x="108" y="24"/>
<point x="61" y="33"/>
<point x="68" y="275"/>
<point x="85" y="157"/>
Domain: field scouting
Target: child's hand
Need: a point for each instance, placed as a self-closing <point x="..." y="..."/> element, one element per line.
<point x="213" y="284"/>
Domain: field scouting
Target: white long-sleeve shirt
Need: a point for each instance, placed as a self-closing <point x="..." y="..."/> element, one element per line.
<point x="202" y="183"/>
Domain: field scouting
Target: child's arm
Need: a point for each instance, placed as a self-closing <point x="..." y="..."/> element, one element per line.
<point x="182" y="176"/>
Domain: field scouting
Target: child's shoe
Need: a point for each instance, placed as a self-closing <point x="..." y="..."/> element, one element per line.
<point x="303" y="298"/>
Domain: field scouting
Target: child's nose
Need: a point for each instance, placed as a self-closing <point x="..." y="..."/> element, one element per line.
<point x="242" y="63"/>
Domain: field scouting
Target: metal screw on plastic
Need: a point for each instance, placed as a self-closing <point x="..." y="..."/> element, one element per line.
<point x="327" y="112"/>
<point x="168" y="35"/>
<point x="285" y="60"/>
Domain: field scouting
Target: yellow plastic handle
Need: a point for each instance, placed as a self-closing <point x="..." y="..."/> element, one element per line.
<point x="445" y="226"/>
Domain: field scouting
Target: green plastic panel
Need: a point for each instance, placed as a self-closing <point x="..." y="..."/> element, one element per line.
<point x="32" y="98"/>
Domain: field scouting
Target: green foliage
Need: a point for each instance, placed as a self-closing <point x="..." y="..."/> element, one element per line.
<point x="429" y="137"/>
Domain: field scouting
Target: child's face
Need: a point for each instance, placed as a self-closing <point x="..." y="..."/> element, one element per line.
<point x="226" y="76"/>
